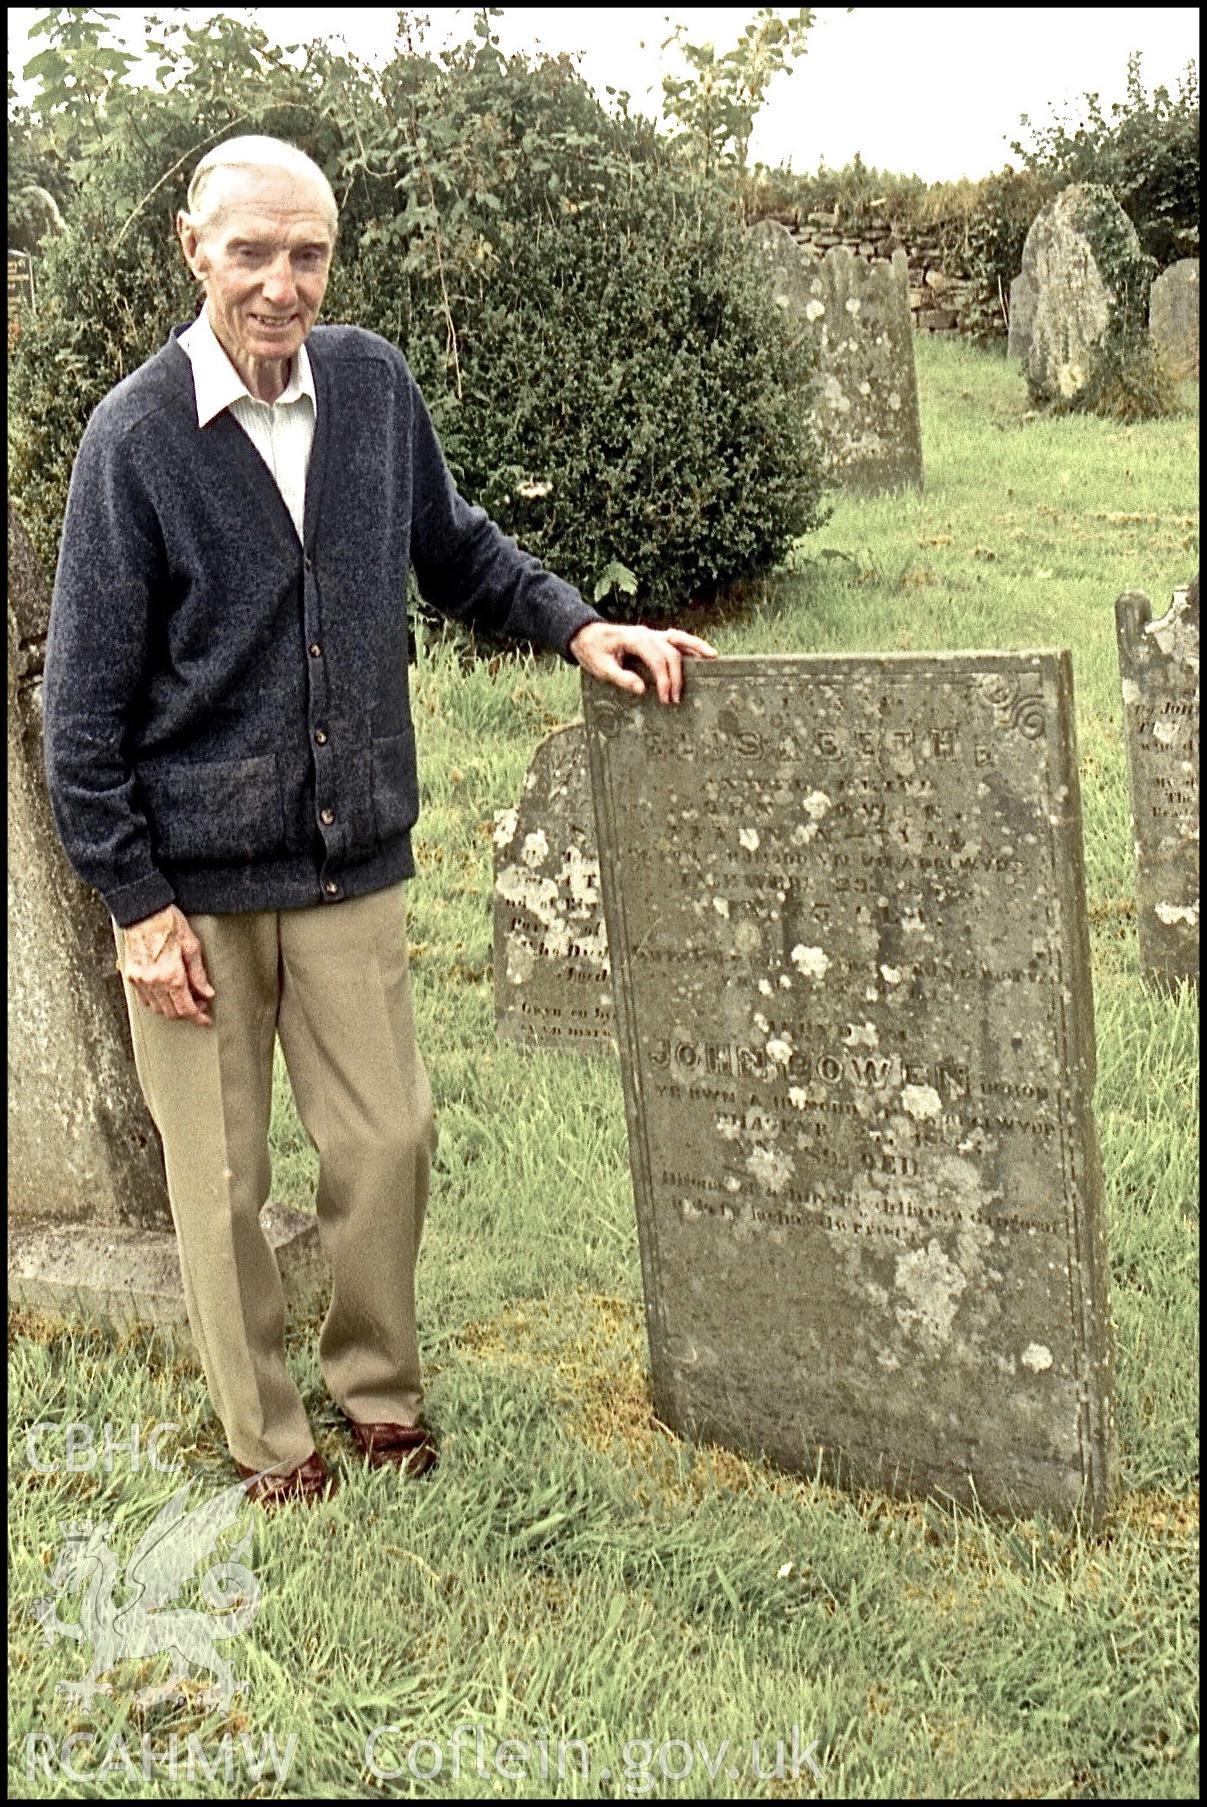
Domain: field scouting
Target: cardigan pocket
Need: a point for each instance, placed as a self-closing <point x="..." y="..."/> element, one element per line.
<point x="395" y="785"/>
<point x="216" y="810"/>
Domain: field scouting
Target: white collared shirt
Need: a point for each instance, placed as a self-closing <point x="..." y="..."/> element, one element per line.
<point x="281" y="431"/>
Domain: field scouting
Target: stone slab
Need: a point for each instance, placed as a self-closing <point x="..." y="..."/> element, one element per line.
<point x="1083" y="261"/>
<point x="1159" y="668"/>
<point x="1173" y="317"/>
<point x="846" y="913"/>
<point x="81" y="1144"/>
<point x="1021" y="317"/>
<point x="858" y="315"/>
<point x="552" y="979"/>
<point x="868" y="408"/>
<point x="123" y="1276"/>
<point x="787" y="266"/>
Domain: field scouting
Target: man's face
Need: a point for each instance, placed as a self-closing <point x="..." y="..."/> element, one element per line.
<point x="264" y="256"/>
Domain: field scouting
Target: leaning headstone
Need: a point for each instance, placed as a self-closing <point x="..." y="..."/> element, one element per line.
<point x="868" y="409"/>
<point x="854" y="1011"/>
<point x="1090" y="282"/>
<point x="90" y="1226"/>
<point x="1159" y="665"/>
<point x="1022" y="314"/>
<point x="1173" y="317"/>
<point x="552" y="979"/>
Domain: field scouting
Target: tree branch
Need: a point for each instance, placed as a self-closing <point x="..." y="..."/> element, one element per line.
<point x="205" y="143"/>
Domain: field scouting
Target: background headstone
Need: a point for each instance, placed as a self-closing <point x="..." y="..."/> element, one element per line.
<point x="1159" y="666"/>
<point x="859" y="316"/>
<point x="90" y="1226"/>
<point x="868" y="410"/>
<point x="787" y="265"/>
<point x="1089" y="281"/>
<point x="846" y="915"/>
<point x="552" y="979"/>
<point x="1173" y="317"/>
<point x="1022" y="314"/>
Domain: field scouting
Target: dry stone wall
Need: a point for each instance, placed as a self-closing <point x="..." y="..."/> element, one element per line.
<point x="938" y="294"/>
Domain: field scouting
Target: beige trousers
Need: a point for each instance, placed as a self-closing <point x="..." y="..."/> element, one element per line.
<point x="333" y="983"/>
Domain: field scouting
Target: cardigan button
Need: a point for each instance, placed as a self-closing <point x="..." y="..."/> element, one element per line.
<point x="316" y="651"/>
<point x="327" y="816"/>
<point x="330" y="888"/>
<point x="320" y="735"/>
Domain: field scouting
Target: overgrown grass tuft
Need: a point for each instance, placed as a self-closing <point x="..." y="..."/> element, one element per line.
<point x="573" y="1572"/>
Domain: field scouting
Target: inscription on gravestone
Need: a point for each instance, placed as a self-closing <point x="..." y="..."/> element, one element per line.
<point x="552" y="979"/>
<point x="1159" y="665"/>
<point x="846" y="915"/>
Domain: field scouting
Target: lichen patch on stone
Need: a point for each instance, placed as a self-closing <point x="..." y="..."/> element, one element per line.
<point x="810" y="960"/>
<point x="921" y="1100"/>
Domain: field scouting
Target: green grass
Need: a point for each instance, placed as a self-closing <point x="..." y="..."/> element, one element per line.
<point x="575" y="1572"/>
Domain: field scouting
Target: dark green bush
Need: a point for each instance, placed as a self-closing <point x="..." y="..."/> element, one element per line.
<point x="580" y="310"/>
<point x="630" y="395"/>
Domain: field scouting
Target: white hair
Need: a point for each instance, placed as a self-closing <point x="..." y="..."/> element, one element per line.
<point x="253" y="152"/>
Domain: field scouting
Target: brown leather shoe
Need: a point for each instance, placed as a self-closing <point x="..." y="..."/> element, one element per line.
<point x="409" y="1447"/>
<point x="310" y="1481"/>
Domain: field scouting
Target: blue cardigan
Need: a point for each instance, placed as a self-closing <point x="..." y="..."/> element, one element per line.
<point x="227" y="721"/>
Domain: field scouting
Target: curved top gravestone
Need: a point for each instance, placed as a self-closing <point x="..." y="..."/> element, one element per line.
<point x="786" y="264"/>
<point x="1084" y="263"/>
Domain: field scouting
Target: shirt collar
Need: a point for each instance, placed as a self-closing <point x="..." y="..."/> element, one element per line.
<point x="216" y="382"/>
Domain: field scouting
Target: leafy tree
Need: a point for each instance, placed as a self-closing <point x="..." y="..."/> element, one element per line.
<point x="715" y="106"/>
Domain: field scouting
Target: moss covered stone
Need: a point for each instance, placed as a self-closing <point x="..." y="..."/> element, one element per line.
<point x="1091" y="282"/>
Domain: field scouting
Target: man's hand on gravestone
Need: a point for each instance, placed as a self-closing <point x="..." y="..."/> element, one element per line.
<point x="601" y="647"/>
<point x="164" y="964"/>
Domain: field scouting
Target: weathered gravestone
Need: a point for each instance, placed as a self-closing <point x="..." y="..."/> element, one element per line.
<point x="1159" y="664"/>
<point x="90" y="1227"/>
<point x="1090" y="284"/>
<point x="1173" y="317"/>
<point x="858" y="312"/>
<point x="552" y="979"/>
<point x="868" y="411"/>
<point x="846" y="916"/>
<point x="788" y="267"/>
<point x="1022" y="314"/>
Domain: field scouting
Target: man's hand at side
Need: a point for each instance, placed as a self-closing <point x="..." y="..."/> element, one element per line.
<point x="163" y="962"/>
<point x="601" y="646"/>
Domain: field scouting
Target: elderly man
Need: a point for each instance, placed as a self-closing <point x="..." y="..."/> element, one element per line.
<point x="231" y="763"/>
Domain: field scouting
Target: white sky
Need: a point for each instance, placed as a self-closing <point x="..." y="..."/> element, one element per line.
<point x="931" y="91"/>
